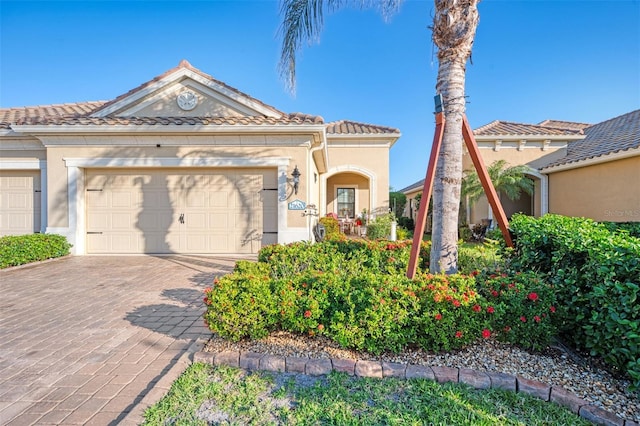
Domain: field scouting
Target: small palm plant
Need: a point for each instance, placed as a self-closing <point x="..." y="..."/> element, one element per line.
<point x="510" y="181"/>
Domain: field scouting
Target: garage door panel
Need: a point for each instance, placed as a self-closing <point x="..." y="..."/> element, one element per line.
<point x="123" y="199"/>
<point x="98" y="221"/>
<point x="222" y="208"/>
<point x="219" y="199"/>
<point x="196" y="198"/>
<point x="19" y="202"/>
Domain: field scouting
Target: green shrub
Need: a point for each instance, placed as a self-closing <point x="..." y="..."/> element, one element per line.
<point x="380" y="227"/>
<point x="632" y="228"/>
<point x="465" y="234"/>
<point x="23" y="249"/>
<point x="240" y="305"/>
<point x="596" y="275"/>
<point x="356" y="292"/>
<point x="407" y="222"/>
<point x="403" y="233"/>
<point x="479" y="257"/>
<point x="332" y="228"/>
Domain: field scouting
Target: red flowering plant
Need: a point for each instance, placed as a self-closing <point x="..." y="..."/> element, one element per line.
<point x="523" y="307"/>
<point x="452" y="313"/>
<point x="302" y="301"/>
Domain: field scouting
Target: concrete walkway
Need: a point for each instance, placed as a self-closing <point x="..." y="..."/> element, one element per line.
<point x="84" y="339"/>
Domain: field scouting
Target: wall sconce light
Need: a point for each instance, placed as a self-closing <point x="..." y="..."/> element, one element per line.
<point x="296" y="179"/>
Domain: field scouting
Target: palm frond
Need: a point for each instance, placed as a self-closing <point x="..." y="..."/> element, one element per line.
<point x="302" y="22"/>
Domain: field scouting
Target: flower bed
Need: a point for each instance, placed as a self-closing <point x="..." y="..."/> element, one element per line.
<point x="357" y="294"/>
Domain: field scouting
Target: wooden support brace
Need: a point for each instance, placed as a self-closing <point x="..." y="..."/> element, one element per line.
<point x="421" y="220"/>
<point x="489" y="190"/>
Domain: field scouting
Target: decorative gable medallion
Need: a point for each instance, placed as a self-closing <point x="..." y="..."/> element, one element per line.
<point x="187" y="100"/>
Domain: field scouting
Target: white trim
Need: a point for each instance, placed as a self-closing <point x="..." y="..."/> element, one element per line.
<point x="21" y="164"/>
<point x="177" y="162"/>
<point x="76" y="232"/>
<point x="160" y="129"/>
<point x="373" y="185"/>
<point x="360" y="145"/>
<point x="544" y="191"/>
<point x="529" y="137"/>
<point x="632" y="152"/>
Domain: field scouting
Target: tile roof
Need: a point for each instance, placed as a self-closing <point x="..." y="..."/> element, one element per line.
<point x="296" y="118"/>
<point x="413" y="187"/>
<point x="345" y="127"/>
<point x="558" y="124"/>
<point x="614" y="135"/>
<point x="14" y="115"/>
<point x="506" y="128"/>
<point x="83" y="114"/>
<point x="184" y="64"/>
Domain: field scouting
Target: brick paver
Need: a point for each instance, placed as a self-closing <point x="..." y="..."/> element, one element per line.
<point x="84" y="339"/>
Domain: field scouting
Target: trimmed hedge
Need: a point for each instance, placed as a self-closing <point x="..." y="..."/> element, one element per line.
<point x="356" y="292"/>
<point x="596" y="275"/>
<point x="23" y="249"/>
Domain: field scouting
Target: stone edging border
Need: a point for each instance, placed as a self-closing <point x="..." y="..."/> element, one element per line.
<point x="254" y="361"/>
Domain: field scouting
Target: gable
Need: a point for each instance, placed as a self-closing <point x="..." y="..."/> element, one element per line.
<point x="164" y="103"/>
<point x="185" y="91"/>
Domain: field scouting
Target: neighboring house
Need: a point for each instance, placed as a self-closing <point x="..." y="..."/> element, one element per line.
<point x="184" y="164"/>
<point x="578" y="169"/>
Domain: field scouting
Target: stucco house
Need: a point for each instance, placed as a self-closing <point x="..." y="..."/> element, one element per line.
<point x="184" y="164"/>
<point x="578" y="169"/>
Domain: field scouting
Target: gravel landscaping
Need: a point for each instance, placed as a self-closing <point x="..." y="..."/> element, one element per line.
<point x="555" y="366"/>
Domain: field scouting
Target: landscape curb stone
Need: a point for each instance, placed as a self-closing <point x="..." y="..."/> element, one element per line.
<point x="473" y="378"/>
<point x="344" y="365"/>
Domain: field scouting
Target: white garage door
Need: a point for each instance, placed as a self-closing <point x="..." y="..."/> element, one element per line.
<point x="191" y="211"/>
<point x="19" y="202"/>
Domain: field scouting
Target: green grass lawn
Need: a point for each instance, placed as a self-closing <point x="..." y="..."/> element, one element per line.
<point x="221" y="395"/>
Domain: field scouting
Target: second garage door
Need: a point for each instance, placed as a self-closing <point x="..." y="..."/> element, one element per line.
<point x="19" y="202"/>
<point x="192" y="211"/>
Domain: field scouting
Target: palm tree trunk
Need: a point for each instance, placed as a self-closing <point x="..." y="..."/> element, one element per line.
<point x="454" y="28"/>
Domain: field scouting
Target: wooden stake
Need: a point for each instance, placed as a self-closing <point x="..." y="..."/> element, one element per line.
<point x="489" y="190"/>
<point x="421" y="220"/>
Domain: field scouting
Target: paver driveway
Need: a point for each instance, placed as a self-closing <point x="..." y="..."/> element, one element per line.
<point x="83" y="339"/>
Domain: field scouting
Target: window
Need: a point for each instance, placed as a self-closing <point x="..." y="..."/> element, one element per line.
<point x="346" y="202"/>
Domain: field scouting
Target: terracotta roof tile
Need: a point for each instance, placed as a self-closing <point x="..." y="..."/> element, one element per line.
<point x="614" y="135"/>
<point x="569" y="125"/>
<point x="184" y="64"/>
<point x="165" y="121"/>
<point x="345" y="127"/>
<point x="79" y="109"/>
<point x="506" y="128"/>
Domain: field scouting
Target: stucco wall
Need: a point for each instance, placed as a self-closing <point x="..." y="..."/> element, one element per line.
<point x="170" y="148"/>
<point x="534" y="155"/>
<point x="606" y="191"/>
<point x="372" y="160"/>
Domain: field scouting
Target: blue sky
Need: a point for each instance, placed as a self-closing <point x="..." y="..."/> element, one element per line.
<point x="532" y="60"/>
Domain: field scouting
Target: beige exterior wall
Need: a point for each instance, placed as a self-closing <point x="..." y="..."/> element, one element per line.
<point x="371" y="163"/>
<point x="515" y="157"/>
<point x="167" y="107"/>
<point x="170" y="148"/>
<point x="605" y="192"/>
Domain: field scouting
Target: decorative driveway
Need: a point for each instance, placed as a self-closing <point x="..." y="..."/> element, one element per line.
<point x="84" y="339"/>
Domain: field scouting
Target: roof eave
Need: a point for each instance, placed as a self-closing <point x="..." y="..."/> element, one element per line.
<point x="619" y="155"/>
<point x="484" y="138"/>
<point x="171" y="128"/>
<point x="390" y="138"/>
